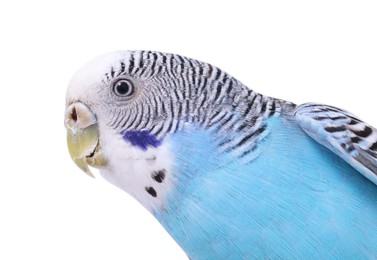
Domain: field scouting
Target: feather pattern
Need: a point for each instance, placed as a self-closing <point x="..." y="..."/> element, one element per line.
<point x="343" y="133"/>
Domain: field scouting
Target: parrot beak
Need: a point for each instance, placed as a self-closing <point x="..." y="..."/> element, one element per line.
<point x="83" y="137"/>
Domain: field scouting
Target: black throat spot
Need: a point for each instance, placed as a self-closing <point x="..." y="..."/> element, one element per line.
<point x="151" y="191"/>
<point x="159" y="176"/>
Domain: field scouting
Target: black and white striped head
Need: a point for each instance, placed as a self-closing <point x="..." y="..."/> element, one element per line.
<point x="122" y="105"/>
<point x="153" y="91"/>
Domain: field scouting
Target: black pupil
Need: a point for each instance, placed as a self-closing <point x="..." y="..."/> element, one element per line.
<point x="123" y="88"/>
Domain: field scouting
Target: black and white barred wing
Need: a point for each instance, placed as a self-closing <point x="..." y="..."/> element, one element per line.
<point x="343" y="133"/>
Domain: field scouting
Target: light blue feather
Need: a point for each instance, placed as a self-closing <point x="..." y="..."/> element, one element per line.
<point x="295" y="200"/>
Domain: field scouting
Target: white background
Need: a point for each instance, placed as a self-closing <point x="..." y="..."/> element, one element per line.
<point x="323" y="51"/>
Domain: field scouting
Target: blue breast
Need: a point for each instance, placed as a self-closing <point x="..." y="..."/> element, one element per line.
<point x="295" y="200"/>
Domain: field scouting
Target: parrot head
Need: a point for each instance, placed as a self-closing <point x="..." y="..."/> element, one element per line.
<point x="123" y="107"/>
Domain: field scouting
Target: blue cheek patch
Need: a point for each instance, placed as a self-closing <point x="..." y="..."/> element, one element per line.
<point x="142" y="139"/>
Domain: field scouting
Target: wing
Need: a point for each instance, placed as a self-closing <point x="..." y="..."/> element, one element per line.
<point x="343" y="133"/>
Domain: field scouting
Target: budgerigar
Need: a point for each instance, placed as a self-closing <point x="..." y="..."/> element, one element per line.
<point x="228" y="172"/>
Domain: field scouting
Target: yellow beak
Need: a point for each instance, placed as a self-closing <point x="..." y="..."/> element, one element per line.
<point x="83" y="137"/>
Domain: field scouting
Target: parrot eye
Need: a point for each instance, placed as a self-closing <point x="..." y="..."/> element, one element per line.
<point x="123" y="88"/>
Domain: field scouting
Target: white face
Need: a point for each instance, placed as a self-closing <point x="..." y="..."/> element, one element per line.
<point x="143" y="173"/>
<point x="146" y="175"/>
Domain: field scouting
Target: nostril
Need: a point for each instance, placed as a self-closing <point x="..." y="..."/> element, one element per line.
<point x="73" y="115"/>
<point x="78" y="115"/>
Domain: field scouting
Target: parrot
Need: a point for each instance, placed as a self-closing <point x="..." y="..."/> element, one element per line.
<point x="228" y="172"/>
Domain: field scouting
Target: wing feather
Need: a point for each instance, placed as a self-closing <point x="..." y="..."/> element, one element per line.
<point x="343" y="133"/>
